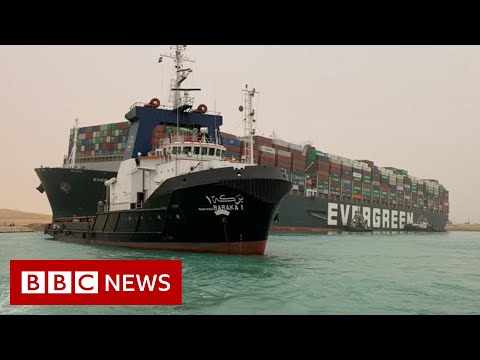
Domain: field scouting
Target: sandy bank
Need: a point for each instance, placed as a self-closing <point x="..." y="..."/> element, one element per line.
<point x="22" y="228"/>
<point x="463" y="227"/>
<point x="23" y="221"/>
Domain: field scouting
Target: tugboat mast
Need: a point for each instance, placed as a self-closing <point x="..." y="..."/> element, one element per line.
<point x="249" y="120"/>
<point x="178" y="55"/>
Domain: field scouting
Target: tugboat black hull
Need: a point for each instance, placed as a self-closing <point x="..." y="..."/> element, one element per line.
<point x="222" y="210"/>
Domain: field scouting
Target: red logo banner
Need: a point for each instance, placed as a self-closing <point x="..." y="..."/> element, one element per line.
<point x="95" y="282"/>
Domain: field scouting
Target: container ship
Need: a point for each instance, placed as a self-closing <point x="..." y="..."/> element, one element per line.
<point x="181" y="193"/>
<point x="328" y="189"/>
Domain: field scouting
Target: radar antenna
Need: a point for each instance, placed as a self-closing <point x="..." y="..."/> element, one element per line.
<point x="182" y="103"/>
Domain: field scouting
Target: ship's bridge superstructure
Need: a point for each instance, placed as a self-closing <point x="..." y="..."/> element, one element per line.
<point x="139" y="177"/>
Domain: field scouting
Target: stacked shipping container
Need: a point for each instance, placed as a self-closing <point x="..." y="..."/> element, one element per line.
<point x="362" y="180"/>
<point x="328" y="174"/>
<point x="100" y="140"/>
<point x="232" y="144"/>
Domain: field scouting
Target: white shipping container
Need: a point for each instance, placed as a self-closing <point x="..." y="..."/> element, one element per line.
<point x="280" y="142"/>
<point x="387" y="172"/>
<point x="347" y="162"/>
<point x="295" y="147"/>
<point x="117" y="132"/>
<point x="283" y="153"/>
<point x="266" y="149"/>
<point x="335" y="161"/>
<point x="357" y="175"/>
<point x="97" y="146"/>
<point x="343" y="159"/>
<point x="103" y="127"/>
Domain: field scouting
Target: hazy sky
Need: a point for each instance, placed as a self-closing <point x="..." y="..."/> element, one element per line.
<point x="411" y="107"/>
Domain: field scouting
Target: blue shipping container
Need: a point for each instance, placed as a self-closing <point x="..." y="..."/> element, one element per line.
<point x="227" y="141"/>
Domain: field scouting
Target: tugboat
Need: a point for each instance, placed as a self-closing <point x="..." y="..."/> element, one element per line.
<point x="422" y="225"/>
<point x="358" y="224"/>
<point x="184" y="195"/>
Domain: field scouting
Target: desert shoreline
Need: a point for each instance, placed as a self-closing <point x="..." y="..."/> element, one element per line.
<point x="39" y="227"/>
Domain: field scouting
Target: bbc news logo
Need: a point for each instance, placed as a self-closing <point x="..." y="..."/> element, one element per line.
<point x="95" y="282"/>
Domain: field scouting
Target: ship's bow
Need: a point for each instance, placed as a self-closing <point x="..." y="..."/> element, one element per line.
<point x="222" y="210"/>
